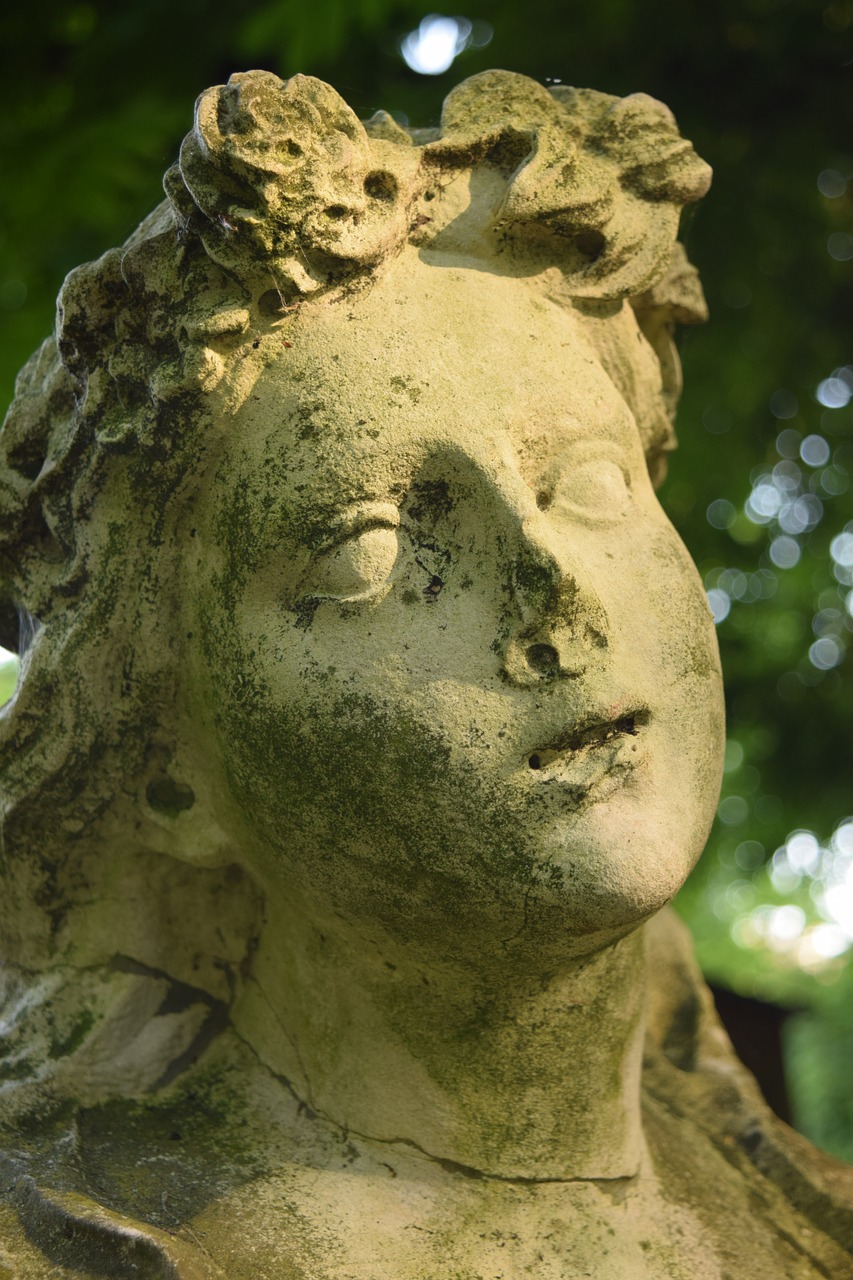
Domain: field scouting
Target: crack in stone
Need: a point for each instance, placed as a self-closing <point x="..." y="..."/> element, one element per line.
<point x="294" y="1046"/>
<point x="449" y="1166"/>
<point x="219" y="1020"/>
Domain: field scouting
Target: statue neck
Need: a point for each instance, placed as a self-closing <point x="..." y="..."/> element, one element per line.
<point x="527" y="1078"/>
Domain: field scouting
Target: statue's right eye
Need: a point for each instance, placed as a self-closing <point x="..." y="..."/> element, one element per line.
<point x="356" y="568"/>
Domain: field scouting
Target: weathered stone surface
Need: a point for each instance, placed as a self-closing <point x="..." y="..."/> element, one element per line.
<point x="370" y="711"/>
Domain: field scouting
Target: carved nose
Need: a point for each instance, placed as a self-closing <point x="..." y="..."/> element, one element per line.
<point x="563" y="653"/>
<point x="561" y="620"/>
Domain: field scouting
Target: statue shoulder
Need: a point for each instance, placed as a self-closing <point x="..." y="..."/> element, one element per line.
<point x="692" y="1072"/>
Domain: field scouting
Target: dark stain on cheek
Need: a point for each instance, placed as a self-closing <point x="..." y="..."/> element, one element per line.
<point x="310" y="420"/>
<point x="303" y="612"/>
<point x="430" y="501"/>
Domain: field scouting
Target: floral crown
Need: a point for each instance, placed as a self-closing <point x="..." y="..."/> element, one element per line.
<point x="280" y="179"/>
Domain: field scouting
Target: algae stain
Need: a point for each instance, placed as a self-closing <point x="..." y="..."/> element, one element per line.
<point x="407" y="387"/>
<point x="76" y="1036"/>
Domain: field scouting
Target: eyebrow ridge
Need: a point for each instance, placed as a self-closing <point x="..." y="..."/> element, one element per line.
<point x="359" y="518"/>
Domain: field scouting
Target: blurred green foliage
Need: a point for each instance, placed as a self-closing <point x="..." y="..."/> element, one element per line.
<point x="8" y="675"/>
<point x="98" y="97"/>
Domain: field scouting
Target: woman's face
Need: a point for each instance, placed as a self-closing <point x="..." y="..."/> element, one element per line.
<point x="462" y="672"/>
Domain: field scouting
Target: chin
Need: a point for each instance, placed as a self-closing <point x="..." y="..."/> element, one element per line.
<point x="617" y="865"/>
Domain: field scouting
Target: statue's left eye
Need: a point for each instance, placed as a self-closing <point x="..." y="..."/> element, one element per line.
<point x="356" y="568"/>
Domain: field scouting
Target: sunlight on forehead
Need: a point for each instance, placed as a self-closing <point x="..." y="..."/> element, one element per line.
<point x="351" y="401"/>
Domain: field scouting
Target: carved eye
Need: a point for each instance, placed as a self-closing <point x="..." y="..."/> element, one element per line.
<point x="357" y="568"/>
<point x="597" y="487"/>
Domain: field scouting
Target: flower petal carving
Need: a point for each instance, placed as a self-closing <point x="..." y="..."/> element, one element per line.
<point x="604" y="175"/>
<point x="287" y="180"/>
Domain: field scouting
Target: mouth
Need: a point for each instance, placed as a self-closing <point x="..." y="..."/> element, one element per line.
<point x="592" y="753"/>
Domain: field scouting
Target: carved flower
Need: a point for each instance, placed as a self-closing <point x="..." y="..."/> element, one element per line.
<point x="605" y="175"/>
<point x="286" y="178"/>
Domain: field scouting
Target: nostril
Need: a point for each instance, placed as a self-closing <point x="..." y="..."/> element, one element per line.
<point x="542" y="658"/>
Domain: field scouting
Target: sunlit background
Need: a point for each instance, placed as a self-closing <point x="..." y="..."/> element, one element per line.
<point x="761" y="488"/>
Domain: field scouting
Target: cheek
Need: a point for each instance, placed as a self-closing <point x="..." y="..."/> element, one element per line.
<point x="681" y="652"/>
<point x="672" y="622"/>
<point x="361" y="803"/>
<point x="691" y="627"/>
<point x="663" y="634"/>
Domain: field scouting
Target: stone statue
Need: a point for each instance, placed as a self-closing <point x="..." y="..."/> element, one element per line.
<point x="369" y="714"/>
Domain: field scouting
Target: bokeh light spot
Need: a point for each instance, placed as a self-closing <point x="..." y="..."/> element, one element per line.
<point x="841" y="548"/>
<point x="815" y="451"/>
<point x="749" y="855"/>
<point x="785" y="551"/>
<point x="801" y="515"/>
<point x="835" y="392"/>
<point x="837" y="903"/>
<point x="734" y="756"/>
<point x="716" y="421"/>
<point x="803" y="851"/>
<point x="720" y="604"/>
<point x="788" y="443"/>
<point x="840" y="246"/>
<point x="783" y="404"/>
<point x="763" y="503"/>
<point x="831" y="183"/>
<point x="733" y="810"/>
<point x="721" y="513"/>
<point x="785" y="925"/>
<point x="827" y="941"/>
<point x="784" y="878"/>
<point x="787" y="475"/>
<point x="826" y="653"/>
<point x="842" y="838"/>
<point x="437" y="41"/>
<point x="834" y="480"/>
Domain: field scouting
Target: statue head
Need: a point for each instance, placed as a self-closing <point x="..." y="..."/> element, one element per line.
<point x="330" y="514"/>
